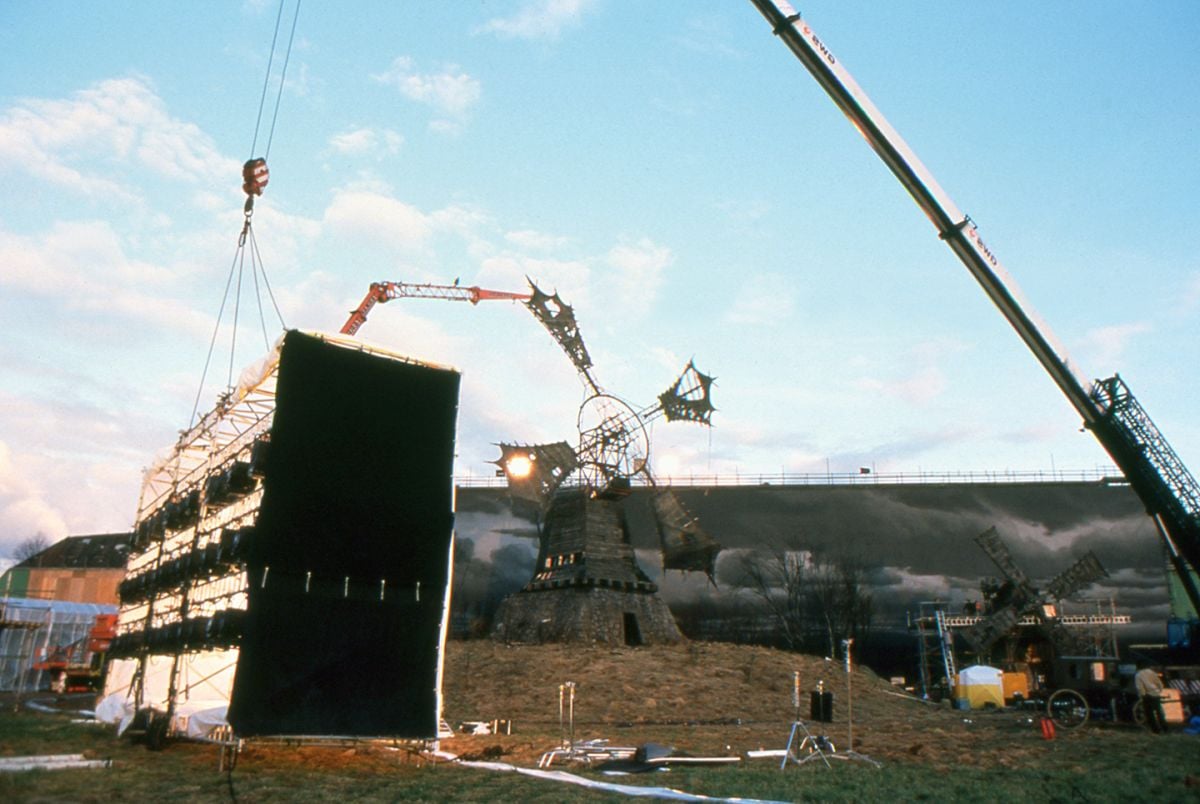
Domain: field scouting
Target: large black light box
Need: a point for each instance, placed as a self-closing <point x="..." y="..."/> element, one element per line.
<point x="348" y="563"/>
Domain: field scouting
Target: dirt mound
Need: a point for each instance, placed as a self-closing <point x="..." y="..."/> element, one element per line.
<point x="708" y="698"/>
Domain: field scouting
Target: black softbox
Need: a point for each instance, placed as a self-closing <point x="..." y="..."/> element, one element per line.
<point x="348" y="563"/>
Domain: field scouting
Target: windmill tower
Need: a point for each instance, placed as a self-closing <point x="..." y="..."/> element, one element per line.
<point x="587" y="585"/>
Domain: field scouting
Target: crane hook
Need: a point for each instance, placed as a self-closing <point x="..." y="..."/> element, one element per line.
<point x="255" y="177"/>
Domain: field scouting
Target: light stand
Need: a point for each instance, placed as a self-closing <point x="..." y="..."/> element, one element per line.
<point x="816" y="745"/>
<point x="566" y="714"/>
<point x="850" y="753"/>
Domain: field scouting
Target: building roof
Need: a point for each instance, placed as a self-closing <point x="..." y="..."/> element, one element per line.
<point x="97" y="551"/>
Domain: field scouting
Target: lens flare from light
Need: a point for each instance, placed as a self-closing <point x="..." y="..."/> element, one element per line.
<point x="519" y="466"/>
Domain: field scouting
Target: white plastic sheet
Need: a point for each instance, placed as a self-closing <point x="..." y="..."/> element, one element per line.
<point x="609" y="787"/>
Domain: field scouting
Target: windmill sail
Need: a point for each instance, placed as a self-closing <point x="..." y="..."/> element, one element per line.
<point x="1017" y="597"/>
<point x="688" y="398"/>
<point x="1081" y="573"/>
<point x="558" y="318"/>
<point x="685" y="545"/>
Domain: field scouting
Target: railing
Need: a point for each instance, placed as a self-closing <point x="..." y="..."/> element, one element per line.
<point x="1100" y="474"/>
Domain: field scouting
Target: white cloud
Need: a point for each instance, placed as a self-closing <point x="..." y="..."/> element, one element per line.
<point x="1191" y="294"/>
<point x="535" y="241"/>
<point x="1106" y="345"/>
<point x="709" y="36"/>
<point x="461" y="220"/>
<point x="539" y="19"/>
<point x="378" y="217"/>
<point x="746" y="211"/>
<point x="117" y="122"/>
<point x="83" y="266"/>
<point x="371" y="214"/>
<point x="762" y="299"/>
<point x="23" y="510"/>
<point x="366" y="142"/>
<point x="298" y="82"/>
<point x="1042" y="431"/>
<point x="71" y="460"/>
<point x="449" y="128"/>
<point x="929" y="585"/>
<point x="638" y="267"/>
<point x="920" y="387"/>
<point x="508" y="272"/>
<point x="450" y="92"/>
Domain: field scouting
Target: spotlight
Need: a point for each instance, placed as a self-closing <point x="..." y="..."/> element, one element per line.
<point x="535" y="471"/>
<point x="520" y="466"/>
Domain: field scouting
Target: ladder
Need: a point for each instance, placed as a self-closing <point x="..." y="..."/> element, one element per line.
<point x="946" y="643"/>
<point x="936" y="644"/>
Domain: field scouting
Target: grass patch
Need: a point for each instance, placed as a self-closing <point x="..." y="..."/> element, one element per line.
<point x="1134" y="767"/>
<point x="704" y="698"/>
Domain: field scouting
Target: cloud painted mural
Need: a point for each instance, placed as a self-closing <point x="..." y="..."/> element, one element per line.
<point x="914" y="543"/>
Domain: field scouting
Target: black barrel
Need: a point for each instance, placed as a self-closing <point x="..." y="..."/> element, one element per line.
<point x="821" y="707"/>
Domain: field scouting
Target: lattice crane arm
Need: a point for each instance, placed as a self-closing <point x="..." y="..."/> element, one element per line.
<point x="381" y="292"/>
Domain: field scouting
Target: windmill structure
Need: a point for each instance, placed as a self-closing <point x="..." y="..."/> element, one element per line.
<point x="1015" y="599"/>
<point x="587" y="585"/>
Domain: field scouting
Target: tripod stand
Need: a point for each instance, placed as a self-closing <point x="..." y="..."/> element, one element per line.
<point x="817" y="746"/>
<point x="850" y="753"/>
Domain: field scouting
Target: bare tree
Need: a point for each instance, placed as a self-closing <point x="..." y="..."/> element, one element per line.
<point x="777" y="576"/>
<point x="30" y="547"/>
<point x="813" y="600"/>
<point x="841" y="601"/>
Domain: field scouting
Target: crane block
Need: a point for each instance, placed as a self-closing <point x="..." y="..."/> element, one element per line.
<point x="255" y="176"/>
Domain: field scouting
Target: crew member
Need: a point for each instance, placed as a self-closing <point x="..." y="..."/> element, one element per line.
<point x="1149" y="688"/>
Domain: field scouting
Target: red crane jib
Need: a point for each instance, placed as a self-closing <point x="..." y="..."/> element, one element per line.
<point x="380" y="292"/>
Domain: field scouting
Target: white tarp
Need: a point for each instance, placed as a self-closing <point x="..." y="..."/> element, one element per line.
<point x="608" y="787"/>
<point x="202" y="722"/>
<point x="204" y="686"/>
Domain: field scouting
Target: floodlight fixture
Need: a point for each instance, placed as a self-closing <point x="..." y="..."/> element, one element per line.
<point x="519" y="466"/>
<point x="534" y="472"/>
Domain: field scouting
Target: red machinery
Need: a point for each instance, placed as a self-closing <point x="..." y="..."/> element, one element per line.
<point x="386" y="291"/>
<point x="79" y="666"/>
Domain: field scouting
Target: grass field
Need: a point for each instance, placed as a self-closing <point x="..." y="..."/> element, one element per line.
<point x="705" y="699"/>
<point x="1141" y="769"/>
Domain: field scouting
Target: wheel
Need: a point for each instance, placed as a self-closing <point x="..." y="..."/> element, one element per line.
<point x="1068" y="709"/>
<point x="613" y="442"/>
<point x="156" y="732"/>
<point x="1139" y="715"/>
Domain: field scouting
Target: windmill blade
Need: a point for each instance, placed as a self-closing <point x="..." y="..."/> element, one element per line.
<point x="991" y="629"/>
<point x="1079" y="575"/>
<point x="997" y="551"/>
<point x="535" y="471"/>
<point x="688" y="397"/>
<point x="685" y="545"/>
<point x="558" y="318"/>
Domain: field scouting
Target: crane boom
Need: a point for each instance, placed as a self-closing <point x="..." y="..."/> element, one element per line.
<point x="381" y="292"/>
<point x="1169" y="492"/>
<point x="956" y="229"/>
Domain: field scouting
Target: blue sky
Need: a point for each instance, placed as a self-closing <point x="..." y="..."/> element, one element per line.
<point x="670" y="169"/>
